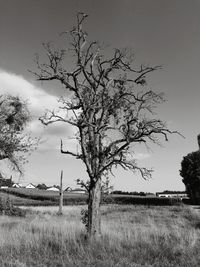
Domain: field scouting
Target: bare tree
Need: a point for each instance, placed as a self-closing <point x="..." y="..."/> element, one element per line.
<point x="109" y="104"/>
<point x="14" y="142"/>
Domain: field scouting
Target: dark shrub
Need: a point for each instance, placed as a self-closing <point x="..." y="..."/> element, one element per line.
<point x="7" y="208"/>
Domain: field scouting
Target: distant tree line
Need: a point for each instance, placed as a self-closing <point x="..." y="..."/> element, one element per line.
<point x="6" y="182"/>
<point x="135" y="193"/>
<point x="171" y="192"/>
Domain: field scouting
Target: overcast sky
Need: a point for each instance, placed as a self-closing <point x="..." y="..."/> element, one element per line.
<point x="160" y="32"/>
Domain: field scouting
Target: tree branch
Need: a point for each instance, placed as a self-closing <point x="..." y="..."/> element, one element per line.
<point x="78" y="156"/>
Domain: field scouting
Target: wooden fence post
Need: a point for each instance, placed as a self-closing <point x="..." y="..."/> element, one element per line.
<point x="60" y="212"/>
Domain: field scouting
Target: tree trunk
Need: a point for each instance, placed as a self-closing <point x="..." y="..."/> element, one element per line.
<point x="94" y="213"/>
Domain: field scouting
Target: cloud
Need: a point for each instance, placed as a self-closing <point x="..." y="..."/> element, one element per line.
<point x="38" y="101"/>
<point x="141" y="156"/>
<point x="138" y="156"/>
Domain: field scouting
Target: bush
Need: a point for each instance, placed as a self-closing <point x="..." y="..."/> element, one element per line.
<point x="7" y="208"/>
<point x="190" y="171"/>
<point x="84" y="217"/>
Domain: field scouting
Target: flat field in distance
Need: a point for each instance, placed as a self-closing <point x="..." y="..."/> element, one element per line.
<point x="41" y="197"/>
<point x="132" y="235"/>
<point x="37" y="197"/>
<point x="38" y="192"/>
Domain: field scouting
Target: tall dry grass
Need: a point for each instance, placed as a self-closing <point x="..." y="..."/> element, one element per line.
<point x="131" y="236"/>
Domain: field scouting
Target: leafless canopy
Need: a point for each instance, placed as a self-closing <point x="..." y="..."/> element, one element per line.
<point x="111" y="105"/>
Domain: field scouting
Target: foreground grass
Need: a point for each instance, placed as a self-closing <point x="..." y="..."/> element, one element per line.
<point x="131" y="236"/>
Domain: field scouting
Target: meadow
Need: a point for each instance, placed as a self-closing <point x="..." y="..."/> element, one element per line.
<point x="132" y="235"/>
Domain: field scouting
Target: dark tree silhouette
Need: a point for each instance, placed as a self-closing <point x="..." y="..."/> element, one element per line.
<point x="190" y="171"/>
<point x="41" y="186"/>
<point x="14" y="142"/>
<point x="109" y="104"/>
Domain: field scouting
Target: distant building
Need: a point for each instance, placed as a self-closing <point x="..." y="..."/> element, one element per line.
<point x="53" y="188"/>
<point x="16" y="185"/>
<point x="78" y="191"/>
<point x="172" y="195"/>
<point x="30" y="186"/>
<point x="68" y="189"/>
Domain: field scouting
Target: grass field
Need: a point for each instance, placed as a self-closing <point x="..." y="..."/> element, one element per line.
<point x="18" y="201"/>
<point x="131" y="236"/>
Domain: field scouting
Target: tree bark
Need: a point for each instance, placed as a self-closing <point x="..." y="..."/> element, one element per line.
<point x="94" y="213"/>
